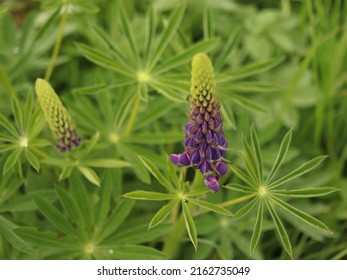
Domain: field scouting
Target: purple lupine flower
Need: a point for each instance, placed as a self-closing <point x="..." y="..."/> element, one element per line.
<point x="60" y="122"/>
<point x="204" y="141"/>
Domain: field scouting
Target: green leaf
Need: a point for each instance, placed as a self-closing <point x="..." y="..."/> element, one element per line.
<point x="173" y="175"/>
<point x="300" y="214"/>
<point x="197" y="192"/>
<point x="153" y="138"/>
<point x="46" y="239"/>
<point x="5" y="123"/>
<point x="257" y="150"/>
<point x="167" y="92"/>
<point x="248" y="104"/>
<point x="257" y="227"/>
<point x="115" y="220"/>
<point x="208" y="23"/>
<point x="90" y="175"/>
<point x="242" y="175"/>
<point x="228" y="116"/>
<point x="165" y="38"/>
<point x="151" y="23"/>
<point x="250" y="69"/>
<point x="228" y="47"/>
<point x="6" y="83"/>
<point x="313" y="192"/>
<point x="70" y="205"/>
<point x="11" y="161"/>
<point x="129" y="34"/>
<point x="186" y="56"/>
<point x="156" y="173"/>
<point x="17" y="110"/>
<point x="210" y="206"/>
<point x="281" y="230"/>
<point x="7" y="232"/>
<point x="90" y="144"/>
<point x="98" y="57"/>
<point x="139" y="234"/>
<point x="26" y="203"/>
<point x="248" y="87"/>
<point x="250" y="162"/>
<point x="239" y="188"/>
<point x="304" y="168"/>
<point x="156" y="109"/>
<point x="163" y="212"/>
<point x="140" y="170"/>
<point x="32" y="159"/>
<point x="246" y="209"/>
<point x="133" y="252"/>
<point x="106" y="196"/>
<point x="145" y="195"/>
<point x="106" y="163"/>
<point x="54" y="216"/>
<point x="66" y="172"/>
<point x="280" y="156"/>
<point x="190" y="225"/>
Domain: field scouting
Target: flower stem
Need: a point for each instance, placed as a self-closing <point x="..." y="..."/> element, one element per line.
<point x="57" y="45"/>
<point x="175" y="236"/>
<point x="133" y="115"/>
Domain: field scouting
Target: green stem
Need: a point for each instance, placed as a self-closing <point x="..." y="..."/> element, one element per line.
<point x="57" y="45"/>
<point x="174" y="238"/>
<point x="133" y="115"/>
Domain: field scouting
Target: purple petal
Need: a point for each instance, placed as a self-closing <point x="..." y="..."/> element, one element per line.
<point x="204" y="167"/>
<point x="184" y="159"/>
<point x="208" y="153"/>
<point x="199" y="135"/>
<point x="195" y="158"/>
<point x="204" y="128"/>
<point x="203" y="146"/>
<point x="215" y="154"/>
<point x="174" y="158"/>
<point x="221" y="168"/>
<point x="212" y="183"/>
<point x="209" y="136"/>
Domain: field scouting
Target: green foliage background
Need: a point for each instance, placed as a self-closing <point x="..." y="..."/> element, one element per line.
<point x="122" y="70"/>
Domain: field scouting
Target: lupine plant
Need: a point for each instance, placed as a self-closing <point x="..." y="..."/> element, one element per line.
<point x="172" y="130"/>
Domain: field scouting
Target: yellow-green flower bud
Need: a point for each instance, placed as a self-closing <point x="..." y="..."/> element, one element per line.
<point x="60" y="122"/>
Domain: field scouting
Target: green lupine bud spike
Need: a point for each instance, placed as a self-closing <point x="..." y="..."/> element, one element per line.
<point x="59" y="120"/>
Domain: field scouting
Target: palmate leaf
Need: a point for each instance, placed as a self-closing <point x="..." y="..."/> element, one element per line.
<point x="242" y="175"/>
<point x="250" y="162"/>
<point x="90" y="175"/>
<point x="190" y="225"/>
<point x="98" y="57"/>
<point x="246" y="209"/>
<point x="46" y="239"/>
<point x="163" y="212"/>
<point x="167" y="92"/>
<point x="257" y="151"/>
<point x="32" y="159"/>
<point x="186" y="55"/>
<point x="153" y="138"/>
<point x="239" y="188"/>
<point x="56" y="218"/>
<point x="313" y="192"/>
<point x="115" y="220"/>
<point x="151" y="24"/>
<point x="300" y="214"/>
<point x="129" y="34"/>
<point x="7" y="231"/>
<point x="136" y="235"/>
<point x="210" y="206"/>
<point x="281" y="230"/>
<point x="208" y="23"/>
<point x="280" y="156"/>
<point x="249" y="70"/>
<point x="146" y="195"/>
<point x="257" y="227"/>
<point x="165" y="38"/>
<point x="157" y="174"/>
<point x="139" y="169"/>
<point x="304" y="168"/>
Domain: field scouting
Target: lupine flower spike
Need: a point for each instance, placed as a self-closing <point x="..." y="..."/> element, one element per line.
<point x="204" y="141"/>
<point x="60" y="123"/>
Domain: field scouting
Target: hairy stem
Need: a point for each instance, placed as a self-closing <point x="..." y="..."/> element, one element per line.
<point x="57" y="45"/>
